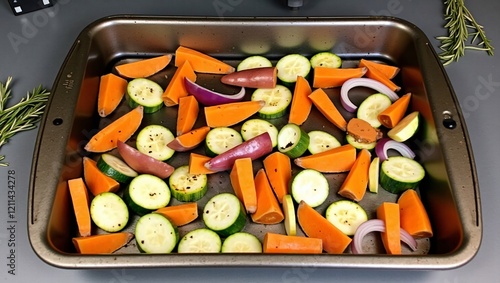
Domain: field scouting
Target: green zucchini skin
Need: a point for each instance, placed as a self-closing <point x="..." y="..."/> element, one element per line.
<point x="153" y="227"/>
<point x="151" y="193"/>
<point x="291" y="147"/>
<point x="228" y="205"/>
<point x="187" y="187"/>
<point x="395" y="184"/>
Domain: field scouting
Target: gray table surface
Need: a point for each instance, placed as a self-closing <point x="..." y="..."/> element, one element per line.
<point x="32" y="49"/>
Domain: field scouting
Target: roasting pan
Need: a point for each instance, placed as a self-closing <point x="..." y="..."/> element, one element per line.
<point x="449" y="192"/>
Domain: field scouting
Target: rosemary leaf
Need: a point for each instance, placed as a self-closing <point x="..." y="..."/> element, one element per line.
<point x="464" y="33"/>
<point x="21" y="116"/>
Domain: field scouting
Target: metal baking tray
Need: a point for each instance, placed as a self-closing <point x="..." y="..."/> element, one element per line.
<point x="450" y="190"/>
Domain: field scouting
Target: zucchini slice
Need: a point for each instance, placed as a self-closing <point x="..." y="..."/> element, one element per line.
<point x="152" y="140"/>
<point x="359" y="145"/>
<point x="290" y="217"/>
<point x="291" y="66"/>
<point x="311" y="186"/>
<point x="292" y="140"/>
<point x="109" y="212"/>
<point x="346" y="215"/>
<point x="374" y="175"/>
<point x="115" y="168"/>
<point x="224" y="214"/>
<point x="145" y="92"/>
<point x="221" y="139"/>
<point x="320" y="141"/>
<point x="277" y="101"/>
<point x="369" y="109"/>
<point x="147" y="193"/>
<point x="154" y="233"/>
<point x="326" y="59"/>
<point x="201" y="240"/>
<point x="405" y="128"/>
<point x="187" y="187"/>
<point x="254" y="127"/>
<point x="241" y="242"/>
<point x="400" y="173"/>
<point x="255" y="61"/>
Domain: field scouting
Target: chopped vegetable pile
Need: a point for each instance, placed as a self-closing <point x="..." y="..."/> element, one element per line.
<point x="290" y="182"/>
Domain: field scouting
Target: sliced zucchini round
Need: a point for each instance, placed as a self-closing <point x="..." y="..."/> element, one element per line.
<point x="359" y="145"/>
<point x="115" y="168"/>
<point x="369" y="109"/>
<point x="241" y="242"/>
<point x="292" y="140"/>
<point x="255" y="61"/>
<point x="109" y="212"/>
<point x="277" y="101"/>
<point x="201" y="240"/>
<point x="224" y="214"/>
<point x="152" y="140"/>
<point x="326" y="59"/>
<point x="320" y="141"/>
<point x="346" y="215"/>
<point x="291" y="66"/>
<point x="254" y="127"/>
<point x="154" y="233"/>
<point x="399" y="173"/>
<point x="310" y="186"/>
<point x="187" y="187"/>
<point x="147" y="193"/>
<point x="145" y="92"/>
<point x="221" y="139"/>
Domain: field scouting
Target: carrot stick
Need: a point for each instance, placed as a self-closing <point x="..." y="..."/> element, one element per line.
<point x="376" y="74"/>
<point x="229" y="114"/>
<point x="354" y="186"/>
<point x="243" y="183"/>
<point x="112" y="88"/>
<point x="80" y="199"/>
<point x="97" y="182"/>
<point x="389" y="71"/>
<point x="325" y="77"/>
<point x="120" y="129"/>
<point x="284" y="244"/>
<point x="189" y="140"/>
<point x="181" y="214"/>
<point x="176" y="88"/>
<point x="187" y="114"/>
<point x="335" y="160"/>
<point x="201" y="62"/>
<point x="321" y="100"/>
<point x="144" y="68"/>
<point x="278" y="168"/>
<point x="197" y="164"/>
<point x="391" y="116"/>
<point x="103" y="243"/>
<point x="389" y="213"/>
<point x="413" y="216"/>
<point x="315" y="225"/>
<point x="268" y="209"/>
<point x="301" y="104"/>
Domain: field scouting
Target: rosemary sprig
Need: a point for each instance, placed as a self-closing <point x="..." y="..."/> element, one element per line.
<point x="463" y="33"/>
<point x="22" y="116"/>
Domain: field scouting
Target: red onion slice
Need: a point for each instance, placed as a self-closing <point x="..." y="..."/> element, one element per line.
<point x="383" y="146"/>
<point x="377" y="225"/>
<point x="209" y="97"/>
<point x="365" y="82"/>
